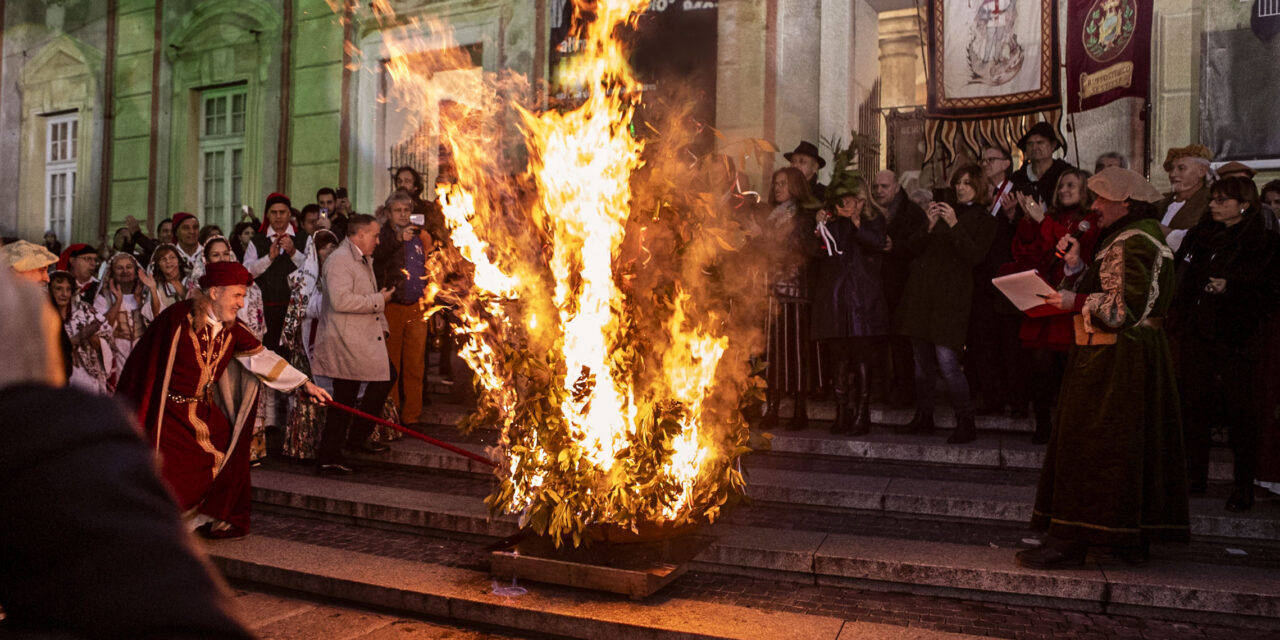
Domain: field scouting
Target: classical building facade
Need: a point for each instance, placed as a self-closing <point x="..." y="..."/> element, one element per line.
<point x="115" y="108"/>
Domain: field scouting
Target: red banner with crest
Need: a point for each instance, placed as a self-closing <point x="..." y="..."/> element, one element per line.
<point x="1108" y="51"/>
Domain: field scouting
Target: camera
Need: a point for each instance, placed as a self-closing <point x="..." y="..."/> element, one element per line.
<point x="417" y="219"/>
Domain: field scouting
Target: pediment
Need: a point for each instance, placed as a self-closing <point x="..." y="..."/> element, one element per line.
<point x="63" y="57"/>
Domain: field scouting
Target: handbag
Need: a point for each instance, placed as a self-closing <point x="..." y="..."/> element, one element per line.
<point x="1094" y="338"/>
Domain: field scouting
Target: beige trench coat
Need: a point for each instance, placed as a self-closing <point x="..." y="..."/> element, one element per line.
<point x="350" y="340"/>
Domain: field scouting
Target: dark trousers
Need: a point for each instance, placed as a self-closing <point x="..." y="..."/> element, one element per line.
<point x="1219" y="386"/>
<point x="994" y="359"/>
<point x="1047" y="369"/>
<point x="341" y="427"/>
<point x="896" y="382"/>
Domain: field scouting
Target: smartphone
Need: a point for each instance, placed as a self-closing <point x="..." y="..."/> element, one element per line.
<point x="324" y="213"/>
<point x="945" y="194"/>
<point x="417" y="219"/>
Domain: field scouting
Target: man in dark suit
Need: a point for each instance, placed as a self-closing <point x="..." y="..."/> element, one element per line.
<point x="904" y="217"/>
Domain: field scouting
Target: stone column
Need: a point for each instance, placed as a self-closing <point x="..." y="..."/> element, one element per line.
<point x="901" y="67"/>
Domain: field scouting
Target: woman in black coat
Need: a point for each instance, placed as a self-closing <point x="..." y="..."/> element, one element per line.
<point x="849" y="308"/>
<point x="1226" y="285"/>
<point x="935" y="306"/>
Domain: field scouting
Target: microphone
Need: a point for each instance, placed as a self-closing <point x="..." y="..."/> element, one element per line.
<point x="1082" y="229"/>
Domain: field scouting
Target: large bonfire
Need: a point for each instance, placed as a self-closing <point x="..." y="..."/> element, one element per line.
<point x="594" y="290"/>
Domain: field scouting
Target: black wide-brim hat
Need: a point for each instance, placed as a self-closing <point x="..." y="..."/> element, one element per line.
<point x="1045" y="130"/>
<point x="806" y="148"/>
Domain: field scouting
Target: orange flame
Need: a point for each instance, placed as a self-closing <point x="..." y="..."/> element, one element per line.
<point x="530" y="277"/>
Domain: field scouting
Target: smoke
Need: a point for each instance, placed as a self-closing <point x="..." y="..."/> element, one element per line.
<point x="606" y="293"/>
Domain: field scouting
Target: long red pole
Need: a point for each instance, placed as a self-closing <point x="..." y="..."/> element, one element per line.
<point x="410" y="432"/>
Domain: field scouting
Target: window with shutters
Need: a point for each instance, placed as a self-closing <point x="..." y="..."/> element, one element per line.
<point x="61" y="134"/>
<point x="222" y="125"/>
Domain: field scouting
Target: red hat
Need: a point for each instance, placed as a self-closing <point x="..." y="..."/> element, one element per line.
<point x="180" y="217"/>
<point x="277" y="198"/>
<point x="73" y="251"/>
<point x="225" y="274"/>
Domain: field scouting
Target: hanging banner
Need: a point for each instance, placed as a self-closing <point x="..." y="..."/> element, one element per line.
<point x="991" y="58"/>
<point x="1108" y="51"/>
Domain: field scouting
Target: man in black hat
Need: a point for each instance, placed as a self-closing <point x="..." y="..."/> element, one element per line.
<point x="1038" y="176"/>
<point x="805" y="158"/>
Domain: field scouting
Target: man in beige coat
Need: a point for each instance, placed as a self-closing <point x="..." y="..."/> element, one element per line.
<point x="351" y="344"/>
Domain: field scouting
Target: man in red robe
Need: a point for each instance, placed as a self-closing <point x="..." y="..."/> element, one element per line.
<point x="194" y="378"/>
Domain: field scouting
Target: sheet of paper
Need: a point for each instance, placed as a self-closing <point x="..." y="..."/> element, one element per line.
<point x="1023" y="289"/>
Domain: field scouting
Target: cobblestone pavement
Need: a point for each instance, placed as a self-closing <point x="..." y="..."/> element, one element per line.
<point x="936" y="613"/>
<point x="275" y="616"/>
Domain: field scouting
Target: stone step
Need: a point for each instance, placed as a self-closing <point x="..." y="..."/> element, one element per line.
<point x="973" y="500"/>
<point x="887" y="493"/>
<point x="998" y="449"/>
<point x="469" y="596"/>
<point x="819" y="411"/>
<point x="1169" y="588"/>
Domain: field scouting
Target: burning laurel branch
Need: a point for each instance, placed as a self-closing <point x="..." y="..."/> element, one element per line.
<point x="676" y="268"/>
<point x="602" y="299"/>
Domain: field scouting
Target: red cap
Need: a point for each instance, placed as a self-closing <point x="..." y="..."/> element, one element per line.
<point x="225" y="274"/>
<point x="76" y="250"/>
<point x="180" y="217"/>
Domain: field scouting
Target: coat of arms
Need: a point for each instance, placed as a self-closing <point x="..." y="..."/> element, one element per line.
<point x="1109" y="28"/>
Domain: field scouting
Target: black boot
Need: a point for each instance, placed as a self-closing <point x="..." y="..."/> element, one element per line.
<point x="1241" y="499"/>
<point x="1044" y="425"/>
<point x="1054" y="554"/>
<point x="921" y="423"/>
<point x="966" y="431"/>
<point x="841" y="423"/>
<point x="800" y="416"/>
<point x="862" y="424"/>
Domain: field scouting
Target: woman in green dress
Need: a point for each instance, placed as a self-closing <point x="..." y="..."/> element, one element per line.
<point x="1114" y="473"/>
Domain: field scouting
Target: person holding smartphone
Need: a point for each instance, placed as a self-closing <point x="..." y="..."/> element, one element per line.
<point x="935" y="306"/>
<point x="399" y="263"/>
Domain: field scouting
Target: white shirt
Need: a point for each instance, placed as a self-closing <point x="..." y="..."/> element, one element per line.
<point x="258" y="266"/>
<point x="1005" y="187"/>
<point x="1174" y="238"/>
<point x="193" y="258"/>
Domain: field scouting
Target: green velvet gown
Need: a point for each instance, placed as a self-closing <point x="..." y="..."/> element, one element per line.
<point x="1114" y="472"/>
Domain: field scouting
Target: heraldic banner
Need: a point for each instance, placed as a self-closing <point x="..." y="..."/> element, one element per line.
<point x="990" y="58"/>
<point x="1108" y="51"/>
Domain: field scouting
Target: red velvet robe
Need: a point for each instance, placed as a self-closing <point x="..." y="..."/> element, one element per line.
<point x="197" y="410"/>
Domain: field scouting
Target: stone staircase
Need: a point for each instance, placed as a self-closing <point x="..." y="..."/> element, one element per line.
<point x="883" y="513"/>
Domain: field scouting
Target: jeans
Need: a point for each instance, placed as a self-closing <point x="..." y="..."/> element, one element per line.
<point x="930" y="358"/>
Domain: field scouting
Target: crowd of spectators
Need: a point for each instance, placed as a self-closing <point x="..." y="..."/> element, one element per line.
<point x="875" y="291"/>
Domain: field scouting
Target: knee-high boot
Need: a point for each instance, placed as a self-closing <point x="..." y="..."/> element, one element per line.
<point x="843" y="392"/>
<point x="862" y="423"/>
